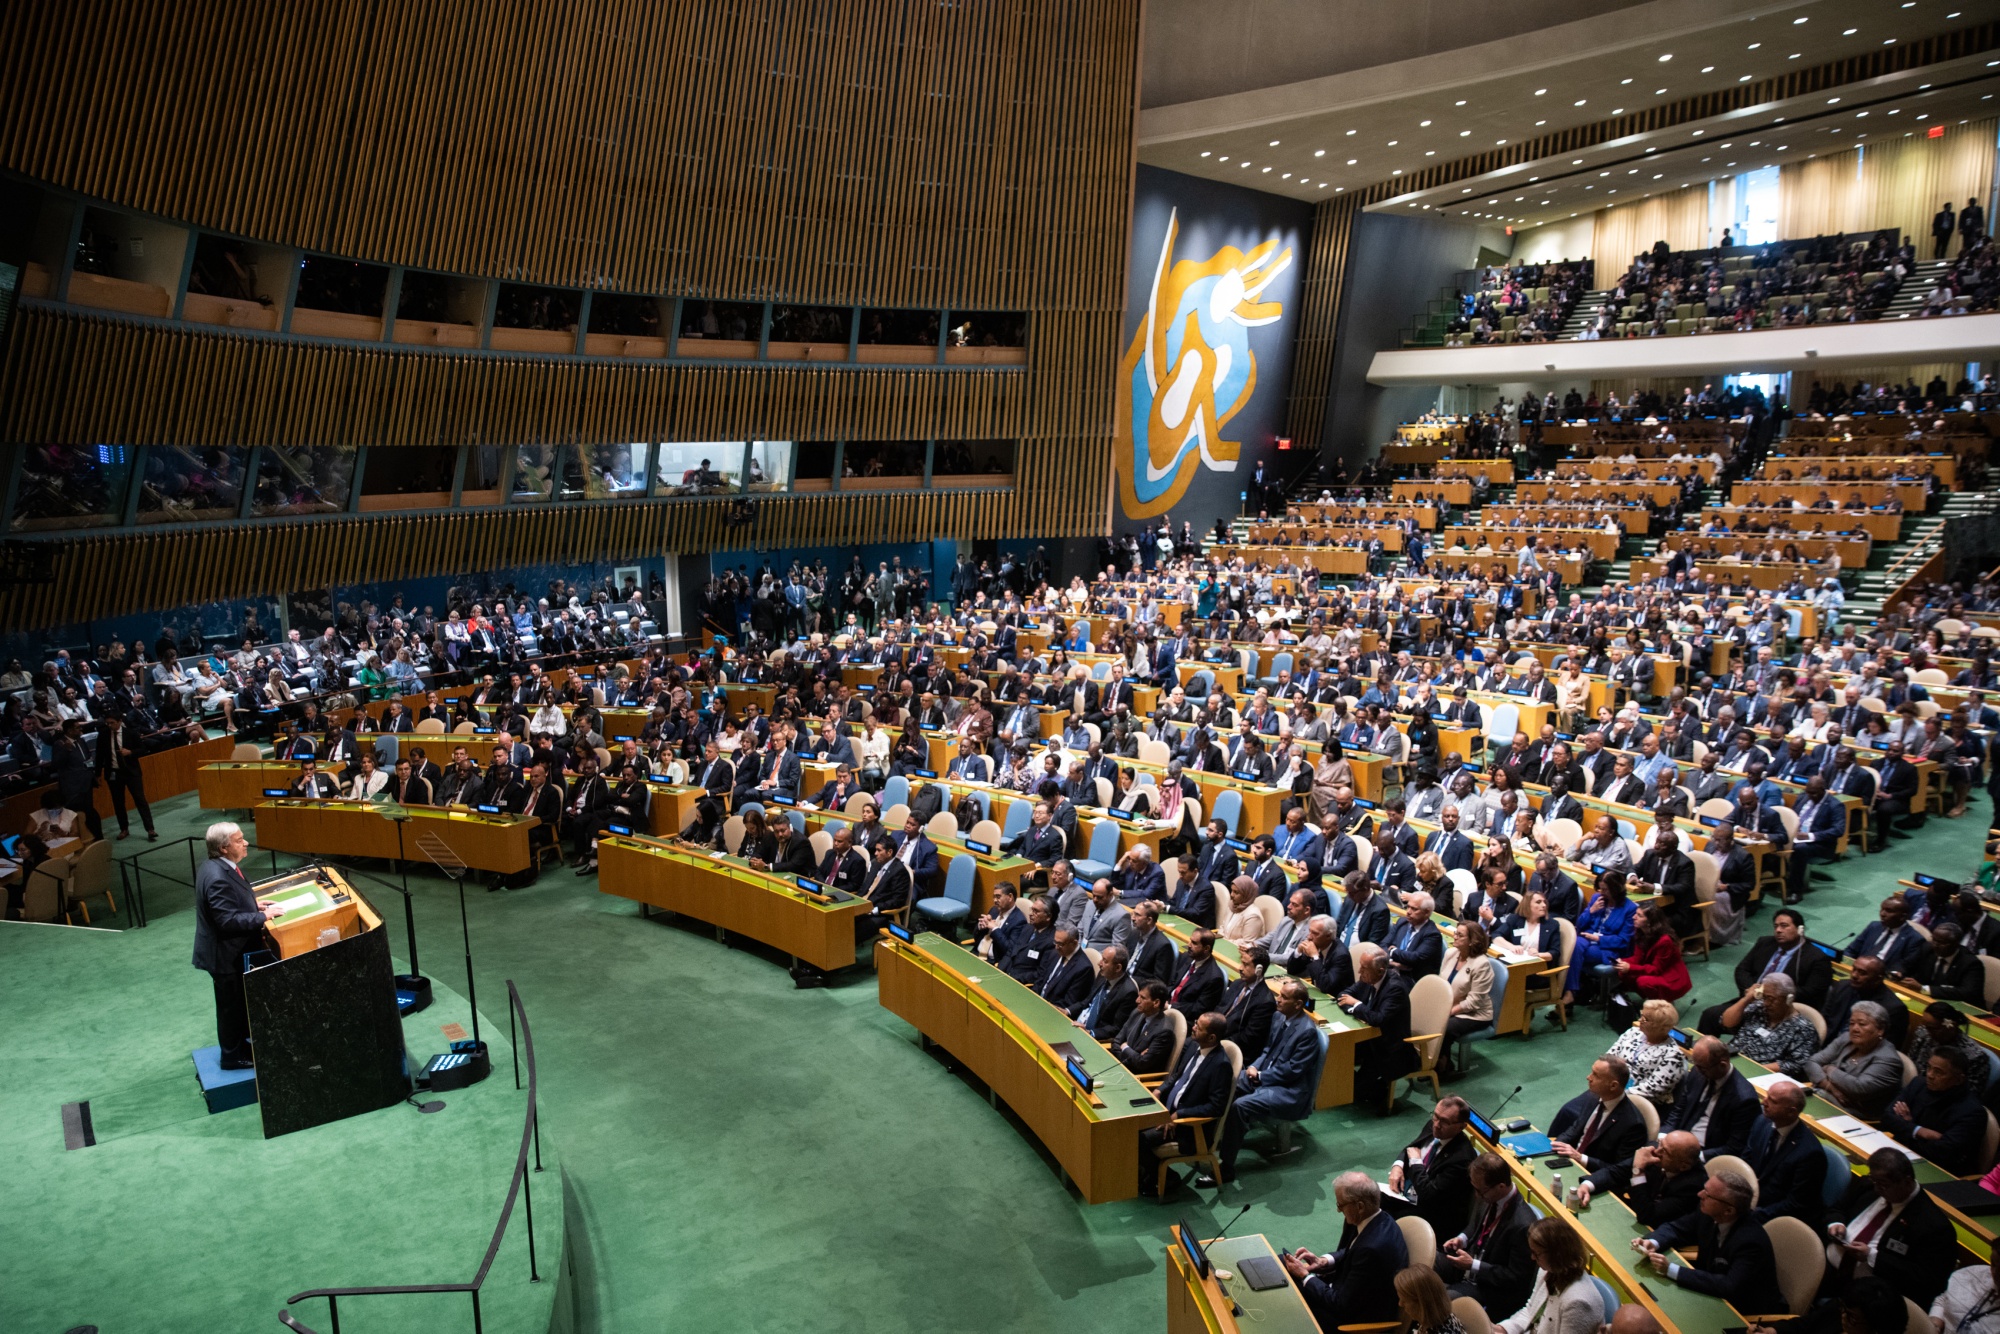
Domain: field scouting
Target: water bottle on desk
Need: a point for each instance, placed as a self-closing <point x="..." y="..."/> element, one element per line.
<point x="1556" y="1185"/>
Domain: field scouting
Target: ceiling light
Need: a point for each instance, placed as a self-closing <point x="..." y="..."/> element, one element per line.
<point x="1657" y="92"/>
<point x="1753" y="46"/>
<point x="1623" y="82"/>
<point x="1223" y="158"/>
<point x="1492" y="201"/>
<point x="1618" y="111"/>
<point x="1286" y="177"/>
<point x="1320" y="153"/>
<point x="1463" y="133"/>
<point x="1499" y="143"/>
<point x="1603" y="173"/>
<point x="1430" y="152"/>
<point x="1744" y="79"/>
<point x="1392" y="143"/>
<point x="1794" y="55"/>
<point x="1204" y="152"/>
<point x="1466" y="191"/>
<point x="1755" y="142"/>
<point x="1797" y="21"/>
<point x="1460" y="102"/>
<point x="1725" y="145"/>
<point x="1338" y="189"/>
<point x="1665" y="58"/>
<point x="1888" y="41"/>
<point x="1699" y="133"/>
<point x="1657" y="175"/>
<point x="1245" y="164"/>
<point x="1576" y="162"/>
<point x="1581" y="100"/>
<point x="1273" y="143"/>
<point x="1540" y="91"/>
<point x="1350" y="132"/>
<point x="1850" y="32"/>
<point x="1397" y="172"/>
<point x="1652" y="150"/>
<point x="1541" y="122"/>
<point x="1423" y="123"/>
<point x="1267" y="169"/>
<point x="1351" y="161"/>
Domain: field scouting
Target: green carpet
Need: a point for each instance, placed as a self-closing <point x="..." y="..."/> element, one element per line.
<point x="744" y="1156"/>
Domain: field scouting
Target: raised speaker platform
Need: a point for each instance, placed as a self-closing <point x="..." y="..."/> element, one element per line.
<point x="223" y="1090"/>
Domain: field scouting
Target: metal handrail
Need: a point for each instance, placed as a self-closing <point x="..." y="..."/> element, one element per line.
<point x="132" y="873"/>
<point x="517" y="1185"/>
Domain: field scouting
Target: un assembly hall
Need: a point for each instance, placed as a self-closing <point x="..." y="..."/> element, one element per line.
<point x="914" y="666"/>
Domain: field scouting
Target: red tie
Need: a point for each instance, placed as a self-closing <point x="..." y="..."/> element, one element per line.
<point x="1867" y="1234"/>
<point x="1590" y="1129"/>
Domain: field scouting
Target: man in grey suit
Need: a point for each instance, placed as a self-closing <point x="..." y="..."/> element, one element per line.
<point x="1106" y="921"/>
<point x="228" y="923"/>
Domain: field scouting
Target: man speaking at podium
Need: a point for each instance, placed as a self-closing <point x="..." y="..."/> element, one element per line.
<point x="228" y="923"/>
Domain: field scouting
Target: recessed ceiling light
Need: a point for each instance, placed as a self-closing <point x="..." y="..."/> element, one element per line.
<point x="1430" y="152"/>
<point x="1623" y="82"/>
<point x="1351" y="161"/>
<point x="1397" y="172"/>
<point x="1286" y="177"/>
<point x="1541" y="122"/>
<point x="1267" y="169"/>
<point x="1350" y="132"/>
<point x="1273" y="144"/>
<point x="1797" y="21"/>
<point x="1581" y="100"/>
<point x="1392" y="143"/>
<point x="1618" y="111"/>
<point x="1576" y="162"/>
<point x="1423" y="123"/>
<point x="1499" y="143"/>
<point x="1755" y="142"/>
<point x="1223" y="158"/>
<point x="1492" y="201"/>
<point x="1320" y="153"/>
<point x="1338" y="189"/>
<point x="1603" y="173"/>
<point x="1463" y="133"/>
<point x="1204" y="152"/>
<point x="1850" y="32"/>
<point x="1665" y="58"/>
<point x="1466" y="191"/>
<point x="1753" y="46"/>
<point x="1795" y="55"/>
<point x="1743" y="79"/>
<point x="1725" y="145"/>
<point x="1460" y="102"/>
<point x="1245" y="164"/>
<point x="1888" y="41"/>
<point x="1540" y="91"/>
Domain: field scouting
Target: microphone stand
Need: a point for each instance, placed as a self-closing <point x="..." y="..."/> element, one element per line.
<point x="480" y="1063"/>
<point x="413" y="982"/>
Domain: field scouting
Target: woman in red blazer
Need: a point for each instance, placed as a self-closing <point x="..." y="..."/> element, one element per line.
<point x="1654" y="968"/>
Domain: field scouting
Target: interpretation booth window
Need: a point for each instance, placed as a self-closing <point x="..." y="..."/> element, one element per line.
<point x="72" y="486"/>
<point x="183" y="484"/>
<point x="302" y="479"/>
<point x="698" y="469"/>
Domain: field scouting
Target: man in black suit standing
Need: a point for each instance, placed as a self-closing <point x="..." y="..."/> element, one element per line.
<point x="1599" y="1126"/>
<point x="1496" y="1237"/>
<point x="1199" y="1087"/>
<point x="1733" y="1257"/>
<point x="228" y="923"/>
<point x="1786" y="950"/>
<point x="1357" y="1283"/>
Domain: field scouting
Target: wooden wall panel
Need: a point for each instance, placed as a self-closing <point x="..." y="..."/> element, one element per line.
<point x="1325" y="279"/>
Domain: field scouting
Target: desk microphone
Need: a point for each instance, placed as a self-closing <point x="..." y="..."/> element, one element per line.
<point x="1494" y="1115"/>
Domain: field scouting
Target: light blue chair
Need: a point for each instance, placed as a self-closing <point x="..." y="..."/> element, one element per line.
<point x="895" y="791"/>
<point x="1200" y="684"/>
<point x="1502" y="721"/>
<point x="1100" y="671"/>
<point x="1103" y="856"/>
<point x="750" y="806"/>
<point x="1486" y="1033"/>
<point x="1018" y="815"/>
<point x="1607" y="1296"/>
<point x="1839" y="1175"/>
<point x="984" y="802"/>
<point x="798" y="821"/>
<point x="1280" y="662"/>
<point x="955" y="904"/>
<point x="1228" y="809"/>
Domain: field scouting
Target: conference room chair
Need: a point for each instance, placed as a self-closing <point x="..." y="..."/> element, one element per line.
<point x="246" y="752"/>
<point x="1607" y="1298"/>
<point x="1018" y="815"/>
<point x="1420" y="1239"/>
<point x="1280" y="662"/>
<point x="677" y="772"/>
<point x="466" y="728"/>
<point x="1100" y="671"/>
<point x="1471" y="1315"/>
<point x="1815" y="1018"/>
<point x="1177" y="1022"/>
<point x="1207" y="1130"/>
<point x="1649" y="1115"/>
<point x="1545" y="986"/>
<point x="822" y="843"/>
<point x="1199" y="685"/>
<point x="1286" y="1125"/>
<point x="1155" y="752"/>
<point x="1102" y="858"/>
<point x="732" y="834"/>
<point x="954" y="905"/>
<point x="1502" y="721"/>
<point x="895" y="792"/>
<point x="798" y="821"/>
<point x="893" y="817"/>
<point x="1487" y="1031"/>
<point x="987" y="832"/>
<point x="430" y="726"/>
<point x="750" y="806"/>
<point x="1565" y="834"/>
<point x="858" y="803"/>
<point x="1730" y="1162"/>
<point x="90" y="876"/>
<point x="1707" y="879"/>
<point x="1430" y="1007"/>
<point x="1228" y="809"/>
<point x="1721" y="808"/>
<point x="1800" y="1255"/>
<point x="43" y="898"/>
<point x="1992" y="992"/>
<point x="942" y="826"/>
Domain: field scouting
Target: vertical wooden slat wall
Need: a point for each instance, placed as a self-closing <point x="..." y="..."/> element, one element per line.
<point x="1325" y="279"/>
<point x="887" y="153"/>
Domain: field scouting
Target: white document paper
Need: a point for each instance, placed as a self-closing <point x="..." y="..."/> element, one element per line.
<point x="296" y="902"/>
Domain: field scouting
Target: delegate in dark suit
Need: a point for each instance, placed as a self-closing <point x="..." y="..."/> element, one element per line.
<point x="1497" y="1237"/>
<point x="1661" y="1196"/>
<point x="1738" y="1267"/>
<point x="228" y="923"/>
<point x="1916" y="1252"/>
<point x="1452" y="848"/>
<point x="1358" y="1283"/>
<point x="1144" y="1044"/>
<point x="1200" y="1086"/>
<point x="1616" y="1137"/>
<point x="1066" y="983"/>
<point x="1380" y="1060"/>
<point x="1791" y="1174"/>
<point x="1437" y="1180"/>
<point x="1194" y="900"/>
<point x="1736" y="1108"/>
<point x="1110" y="1005"/>
<point x="922" y="860"/>
<point x="1197" y="986"/>
<point x="1249" y="1005"/>
<point x="1415" y="951"/>
<point x="1152" y="959"/>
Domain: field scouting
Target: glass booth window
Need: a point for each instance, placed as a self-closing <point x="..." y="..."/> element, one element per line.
<point x="537" y="472"/>
<point x="770" y="465"/>
<point x="868" y="459"/>
<point x="72" y="486"/>
<point x="184" y="485"/>
<point x="618" y="470"/>
<point x="302" y="479"/>
<point x="699" y="469"/>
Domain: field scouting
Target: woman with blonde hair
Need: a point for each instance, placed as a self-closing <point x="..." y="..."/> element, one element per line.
<point x="1657" y="1062"/>
<point x="1468" y="970"/>
<point x="1425" y="1303"/>
<point x="1572" y="695"/>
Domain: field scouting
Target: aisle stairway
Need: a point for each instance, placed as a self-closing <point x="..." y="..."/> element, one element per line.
<point x="1582" y="313"/>
<point x="1916" y="289"/>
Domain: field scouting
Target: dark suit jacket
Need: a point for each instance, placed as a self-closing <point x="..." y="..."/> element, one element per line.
<point x="1617" y="1138"/>
<point x="1144" y="1044"/>
<point x="1564" y="896"/>
<point x="1441" y="1190"/>
<point x="1029" y="956"/>
<point x="1217" y="862"/>
<point x="850" y="874"/>
<point x="928" y="872"/>
<point x="1122" y="997"/>
<point x="1902" y="955"/>
<point x="1737" y="1268"/>
<point x="1194" y="901"/>
<point x="1360" y="1288"/>
<point x="1208" y="1092"/>
<point x="722" y="780"/>
<point x="1659" y="1197"/>
<point x="1397" y="876"/>
<point x="1452" y="848"/>
<point x="1914" y="1254"/>
<point x="1963" y="978"/>
<point x="1152" y="959"/>
<point x="1250" y="1007"/>
<point x="1810" y="970"/>
<point x="1415" y="955"/>
<point x="1790" y="1180"/>
<point x="888" y="885"/>
<point x="1728" y="1126"/>
<point x="1676" y="881"/>
<point x="1197" y="986"/>
<point x="227" y="921"/>
<point x="1506" y="1271"/>
<point x="1066" y="983"/>
<point x="1044" y="846"/>
<point x="1956" y="1115"/>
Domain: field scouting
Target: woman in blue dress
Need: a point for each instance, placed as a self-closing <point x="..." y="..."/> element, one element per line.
<point x="1603" y="933"/>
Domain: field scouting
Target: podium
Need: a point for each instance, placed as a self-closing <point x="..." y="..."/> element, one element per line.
<point x="322" y="1003"/>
